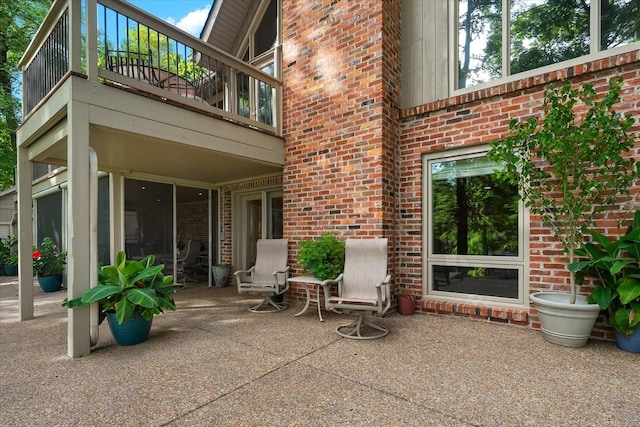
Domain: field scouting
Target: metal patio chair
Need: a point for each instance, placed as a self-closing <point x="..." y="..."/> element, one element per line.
<point x="270" y="275"/>
<point x="364" y="286"/>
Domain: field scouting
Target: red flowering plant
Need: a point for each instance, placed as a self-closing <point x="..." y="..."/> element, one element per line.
<point x="47" y="261"/>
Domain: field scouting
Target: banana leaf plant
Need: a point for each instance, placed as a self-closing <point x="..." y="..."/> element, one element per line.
<point x="616" y="265"/>
<point x="130" y="287"/>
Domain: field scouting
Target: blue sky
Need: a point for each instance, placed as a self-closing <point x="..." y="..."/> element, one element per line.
<point x="188" y="15"/>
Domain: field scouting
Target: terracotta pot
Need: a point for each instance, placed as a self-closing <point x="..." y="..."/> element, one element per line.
<point x="406" y="305"/>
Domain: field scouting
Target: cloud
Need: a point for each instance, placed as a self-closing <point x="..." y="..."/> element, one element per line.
<point x="192" y="22"/>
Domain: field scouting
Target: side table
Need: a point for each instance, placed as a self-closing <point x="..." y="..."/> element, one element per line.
<point x="309" y="280"/>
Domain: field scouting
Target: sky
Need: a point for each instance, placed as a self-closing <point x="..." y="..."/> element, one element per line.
<point x="188" y="15"/>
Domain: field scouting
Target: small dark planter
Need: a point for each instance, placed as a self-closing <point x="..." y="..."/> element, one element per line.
<point x="630" y="343"/>
<point x="11" y="270"/>
<point x="131" y="332"/>
<point x="51" y="283"/>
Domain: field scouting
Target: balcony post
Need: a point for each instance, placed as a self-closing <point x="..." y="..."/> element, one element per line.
<point x="25" y="232"/>
<point x="78" y="332"/>
<point x="91" y="43"/>
<point x="75" y="36"/>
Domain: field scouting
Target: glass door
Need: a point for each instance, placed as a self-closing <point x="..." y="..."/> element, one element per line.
<point x="254" y="222"/>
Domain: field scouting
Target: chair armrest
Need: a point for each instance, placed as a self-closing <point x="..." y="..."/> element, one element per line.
<point x="386" y="298"/>
<point x="239" y="273"/>
<point x="286" y="270"/>
<point x="327" y="283"/>
<point x="332" y="281"/>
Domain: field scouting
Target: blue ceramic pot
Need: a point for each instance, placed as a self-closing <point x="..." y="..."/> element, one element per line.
<point x="131" y="332"/>
<point x="51" y="283"/>
<point x="11" y="270"/>
<point x="630" y="343"/>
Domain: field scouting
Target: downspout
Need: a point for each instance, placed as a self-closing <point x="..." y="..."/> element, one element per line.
<point x="93" y="242"/>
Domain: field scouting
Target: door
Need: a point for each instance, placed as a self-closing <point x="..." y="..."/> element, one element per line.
<point x="254" y="221"/>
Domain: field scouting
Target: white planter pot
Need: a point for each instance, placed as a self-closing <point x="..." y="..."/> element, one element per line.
<point x="563" y="323"/>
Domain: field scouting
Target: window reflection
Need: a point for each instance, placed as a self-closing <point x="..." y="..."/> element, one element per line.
<point x="620" y="21"/>
<point x="487" y="281"/>
<point x="540" y="33"/>
<point x="474" y="212"/>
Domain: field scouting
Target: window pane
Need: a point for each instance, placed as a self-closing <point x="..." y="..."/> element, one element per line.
<point x="265" y="36"/>
<point x="473" y="212"/>
<point x="104" y="227"/>
<point x="479" y="41"/>
<point x="620" y="22"/>
<point x="488" y="281"/>
<point x="547" y="32"/>
<point x="49" y="222"/>
<point x="148" y="224"/>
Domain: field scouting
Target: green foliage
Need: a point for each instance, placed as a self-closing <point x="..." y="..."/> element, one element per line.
<point x="12" y="260"/>
<point x="47" y="261"/>
<point x="130" y="287"/>
<point x="616" y="265"/>
<point x="6" y="246"/>
<point x="323" y="256"/>
<point x="571" y="166"/>
<point x="19" y="20"/>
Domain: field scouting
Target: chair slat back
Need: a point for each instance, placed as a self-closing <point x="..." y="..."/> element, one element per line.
<point x="365" y="265"/>
<point x="193" y="252"/>
<point x="271" y="256"/>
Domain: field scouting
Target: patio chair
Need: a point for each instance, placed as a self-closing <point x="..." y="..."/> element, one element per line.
<point x="185" y="264"/>
<point x="270" y="275"/>
<point x="363" y="286"/>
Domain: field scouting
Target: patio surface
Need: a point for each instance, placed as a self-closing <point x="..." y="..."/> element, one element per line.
<point x="214" y="363"/>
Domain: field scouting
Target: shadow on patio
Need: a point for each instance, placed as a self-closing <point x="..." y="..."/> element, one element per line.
<point x="213" y="363"/>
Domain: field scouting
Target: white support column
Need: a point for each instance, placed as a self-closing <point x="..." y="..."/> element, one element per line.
<point x="78" y="333"/>
<point x="116" y="214"/>
<point x="25" y="234"/>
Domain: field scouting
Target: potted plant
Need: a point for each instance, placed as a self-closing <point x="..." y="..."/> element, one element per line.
<point x="570" y="166"/>
<point x="11" y="265"/>
<point x="129" y="293"/>
<point x="616" y="265"/>
<point x="48" y="264"/>
<point x="323" y="256"/>
<point x="6" y="244"/>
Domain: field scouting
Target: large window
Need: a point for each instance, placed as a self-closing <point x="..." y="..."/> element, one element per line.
<point x="474" y="229"/>
<point x="498" y="38"/>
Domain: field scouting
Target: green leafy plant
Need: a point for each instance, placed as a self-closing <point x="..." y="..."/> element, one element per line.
<point x="6" y="245"/>
<point x="573" y="164"/>
<point x="12" y="260"/>
<point x="616" y="265"/>
<point x="47" y="261"/>
<point x="324" y="256"/>
<point x="130" y="287"/>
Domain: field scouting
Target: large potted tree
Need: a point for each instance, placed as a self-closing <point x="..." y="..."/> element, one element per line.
<point x="129" y="293"/>
<point x="570" y="166"/>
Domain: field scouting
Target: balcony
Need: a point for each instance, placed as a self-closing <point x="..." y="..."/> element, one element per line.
<point x="149" y="88"/>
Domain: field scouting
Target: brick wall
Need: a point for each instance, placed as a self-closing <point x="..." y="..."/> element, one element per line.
<point x="478" y="118"/>
<point x="192" y="220"/>
<point x="341" y="74"/>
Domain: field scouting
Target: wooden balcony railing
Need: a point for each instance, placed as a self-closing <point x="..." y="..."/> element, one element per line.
<point x="133" y="50"/>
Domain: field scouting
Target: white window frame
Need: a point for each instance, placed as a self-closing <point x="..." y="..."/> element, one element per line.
<point x="594" y="50"/>
<point x="519" y="263"/>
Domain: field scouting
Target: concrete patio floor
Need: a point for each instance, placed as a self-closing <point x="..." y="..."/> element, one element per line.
<point x="214" y="363"/>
